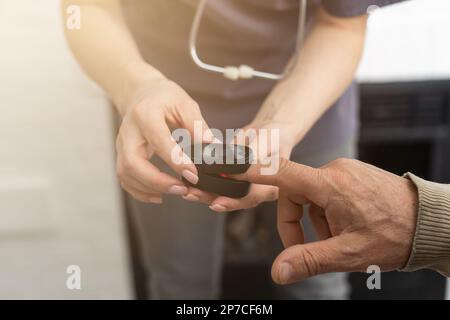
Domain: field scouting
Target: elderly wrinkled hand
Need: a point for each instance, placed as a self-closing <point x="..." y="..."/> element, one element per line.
<point x="362" y="215"/>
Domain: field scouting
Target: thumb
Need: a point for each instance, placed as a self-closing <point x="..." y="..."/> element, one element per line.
<point x="194" y="122"/>
<point x="302" y="261"/>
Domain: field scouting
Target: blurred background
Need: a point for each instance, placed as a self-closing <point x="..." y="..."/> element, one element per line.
<point x="60" y="203"/>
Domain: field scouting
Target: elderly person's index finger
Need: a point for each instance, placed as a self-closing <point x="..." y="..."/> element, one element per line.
<point x="292" y="177"/>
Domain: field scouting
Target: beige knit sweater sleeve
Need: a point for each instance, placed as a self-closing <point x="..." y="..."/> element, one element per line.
<point x="431" y="247"/>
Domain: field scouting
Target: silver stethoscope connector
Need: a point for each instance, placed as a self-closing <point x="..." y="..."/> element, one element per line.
<point x="243" y="71"/>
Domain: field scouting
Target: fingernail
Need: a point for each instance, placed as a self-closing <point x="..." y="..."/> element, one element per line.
<point x="191" y="197"/>
<point x="287" y="272"/>
<point x="178" y="190"/>
<point x="156" y="200"/>
<point x="218" y="208"/>
<point x="190" y="176"/>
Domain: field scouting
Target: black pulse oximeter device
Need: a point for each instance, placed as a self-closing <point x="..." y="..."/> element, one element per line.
<point x="215" y="162"/>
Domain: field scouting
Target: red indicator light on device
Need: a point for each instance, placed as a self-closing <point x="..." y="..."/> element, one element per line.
<point x="223" y="175"/>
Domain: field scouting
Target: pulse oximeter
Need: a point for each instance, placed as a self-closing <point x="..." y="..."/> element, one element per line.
<point x="215" y="162"/>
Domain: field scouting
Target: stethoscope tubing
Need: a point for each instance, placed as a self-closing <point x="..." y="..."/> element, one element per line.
<point x="242" y="72"/>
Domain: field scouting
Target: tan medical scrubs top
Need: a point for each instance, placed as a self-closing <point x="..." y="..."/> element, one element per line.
<point x="260" y="33"/>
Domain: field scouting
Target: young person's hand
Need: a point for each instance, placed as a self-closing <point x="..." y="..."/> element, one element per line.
<point x="155" y="107"/>
<point x="363" y="216"/>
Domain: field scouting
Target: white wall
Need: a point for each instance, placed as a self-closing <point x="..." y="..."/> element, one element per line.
<point x="408" y="41"/>
<point x="59" y="201"/>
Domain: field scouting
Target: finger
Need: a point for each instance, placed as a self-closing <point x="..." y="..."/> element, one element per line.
<point x="159" y="137"/>
<point x="194" y="122"/>
<point x="197" y="195"/>
<point x="143" y="196"/>
<point x="136" y="184"/>
<point x="289" y="225"/>
<point x="244" y="136"/>
<point x="132" y="164"/>
<point x="294" y="178"/>
<point x="306" y="260"/>
<point x="263" y="151"/>
<point x="257" y="195"/>
<point x="319" y="222"/>
<point x="136" y="168"/>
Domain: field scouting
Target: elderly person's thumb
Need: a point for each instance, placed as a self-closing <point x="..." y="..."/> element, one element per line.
<point x="302" y="261"/>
